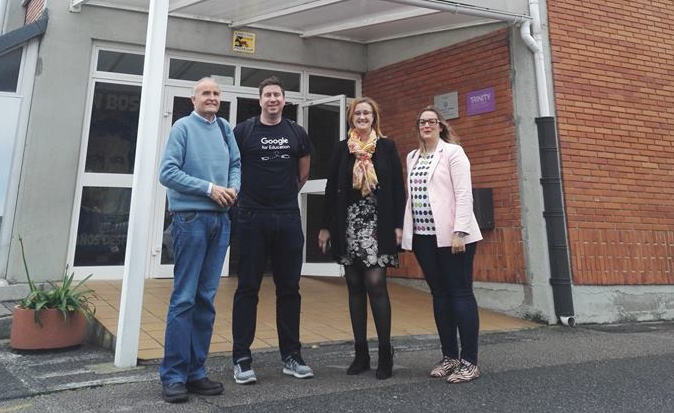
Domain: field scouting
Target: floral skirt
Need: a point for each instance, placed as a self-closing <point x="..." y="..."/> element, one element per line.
<point x="361" y="236"/>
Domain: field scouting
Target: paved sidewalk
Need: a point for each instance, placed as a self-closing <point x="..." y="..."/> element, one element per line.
<point x="608" y="369"/>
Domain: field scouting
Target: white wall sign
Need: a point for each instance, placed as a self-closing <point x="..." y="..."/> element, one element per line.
<point x="448" y="104"/>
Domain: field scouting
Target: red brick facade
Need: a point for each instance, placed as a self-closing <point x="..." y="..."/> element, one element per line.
<point x="613" y="68"/>
<point x="402" y="89"/>
<point x="34" y="10"/>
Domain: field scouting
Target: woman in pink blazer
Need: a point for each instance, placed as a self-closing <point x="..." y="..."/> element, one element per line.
<point x="441" y="229"/>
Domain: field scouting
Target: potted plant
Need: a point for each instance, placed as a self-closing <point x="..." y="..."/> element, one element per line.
<point x="51" y="318"/>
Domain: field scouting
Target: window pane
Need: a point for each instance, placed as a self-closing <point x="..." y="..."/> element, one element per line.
<point x="101" y="233"/>
<point x="188" y="70"/>
<point x="113" y="129"/>
<point x="10" y="64"/>
<point x="324" y="133"/>
<point x="332" y="86"/>
<point x="253" y="77"/>
<point x="129" y="63"/>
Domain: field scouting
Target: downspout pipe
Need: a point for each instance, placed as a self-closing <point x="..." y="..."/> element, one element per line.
<point x="551" y="177"/>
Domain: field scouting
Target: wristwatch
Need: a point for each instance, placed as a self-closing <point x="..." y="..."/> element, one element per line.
<point x="461" y="234"/>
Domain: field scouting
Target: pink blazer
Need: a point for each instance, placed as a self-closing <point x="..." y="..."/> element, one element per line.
<point x="450" y="195"/>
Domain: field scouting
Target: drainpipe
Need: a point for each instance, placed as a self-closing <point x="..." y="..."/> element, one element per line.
<point x="553" y="193"/>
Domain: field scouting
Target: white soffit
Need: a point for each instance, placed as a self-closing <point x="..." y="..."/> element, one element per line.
<point x="363" y="21"/>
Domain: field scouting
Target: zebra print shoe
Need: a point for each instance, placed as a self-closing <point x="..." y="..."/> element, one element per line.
<point x="445" y="367"/>
<point x="465" y="372"/>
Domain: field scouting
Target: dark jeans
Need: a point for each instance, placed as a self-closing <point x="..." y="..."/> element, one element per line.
<point x="450" y="278"/>
<point x="279" y="235"/>
<point x="200" y="241"/>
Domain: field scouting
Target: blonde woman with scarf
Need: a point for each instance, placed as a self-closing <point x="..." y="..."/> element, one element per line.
<point x="362" y="226"/>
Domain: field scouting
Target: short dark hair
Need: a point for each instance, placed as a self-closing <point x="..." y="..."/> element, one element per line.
<point x="271" y="81"/>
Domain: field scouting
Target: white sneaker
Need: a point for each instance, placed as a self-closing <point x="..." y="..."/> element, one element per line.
<point x="294" y="366"/>
<point x="243" y="372"/>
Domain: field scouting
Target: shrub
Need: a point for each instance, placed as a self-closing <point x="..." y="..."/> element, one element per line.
<point x="62" y="296"/>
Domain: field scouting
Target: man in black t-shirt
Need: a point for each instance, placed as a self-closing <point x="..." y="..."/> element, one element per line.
<point x="275" y="157"/>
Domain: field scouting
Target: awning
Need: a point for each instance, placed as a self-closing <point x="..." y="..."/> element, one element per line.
<point x="363" y="21"/>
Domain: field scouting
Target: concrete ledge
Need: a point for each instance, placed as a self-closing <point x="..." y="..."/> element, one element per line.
<point x="593" y="304"/>
<point x="98" y="335"/>
<point x="504" y="298"/>
<point x="621" y="304"/>
<point x="5" y="327"/>
<point x="13" y="292"/>
<point x="500" y="297"/>
<point x="6" y="318"/>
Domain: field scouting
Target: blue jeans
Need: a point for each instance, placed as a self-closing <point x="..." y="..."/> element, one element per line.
<point x="450" y="278"/>
<point x="279" y="235"/>
<point x="200" y="241"/>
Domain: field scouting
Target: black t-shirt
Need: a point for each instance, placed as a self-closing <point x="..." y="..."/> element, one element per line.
<point x="269" y="164"/>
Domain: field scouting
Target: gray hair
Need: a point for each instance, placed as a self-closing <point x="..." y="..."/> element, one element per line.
<point x="200" y="81"/>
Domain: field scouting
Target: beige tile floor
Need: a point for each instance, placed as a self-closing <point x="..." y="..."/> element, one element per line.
<point x="325" y="313"/>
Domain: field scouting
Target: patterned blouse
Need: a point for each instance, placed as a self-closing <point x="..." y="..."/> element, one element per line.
<point x="422" y="216"/>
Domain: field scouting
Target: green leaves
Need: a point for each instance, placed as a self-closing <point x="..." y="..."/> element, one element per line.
<point x="61" y="296"/>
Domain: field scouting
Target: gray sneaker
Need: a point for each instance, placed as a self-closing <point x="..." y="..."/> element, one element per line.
<point x="294" y="366"/>
<point x="243" y="372"/>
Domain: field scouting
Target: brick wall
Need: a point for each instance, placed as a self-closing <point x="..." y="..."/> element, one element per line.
<point x="613" y="69"/>
<point x="406" y="87"/>
<point x="34" y="10"/>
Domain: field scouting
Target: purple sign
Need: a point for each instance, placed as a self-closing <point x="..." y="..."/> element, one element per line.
<point x="480" y="101"/>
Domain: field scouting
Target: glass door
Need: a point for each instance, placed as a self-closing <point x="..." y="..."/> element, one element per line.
<point x="178" y="104"/>
<point x="102" y="199"/>
<point x="325" y="121"/>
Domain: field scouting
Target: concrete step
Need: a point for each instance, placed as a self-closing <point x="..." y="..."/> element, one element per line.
<point x="6" y="318"/>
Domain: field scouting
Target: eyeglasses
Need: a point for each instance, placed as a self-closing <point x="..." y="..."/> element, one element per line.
<point x="362" y="113"/>
<point x="429" y="122"/>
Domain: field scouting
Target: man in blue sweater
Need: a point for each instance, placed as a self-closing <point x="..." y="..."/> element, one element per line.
<point x="201" y="170"/>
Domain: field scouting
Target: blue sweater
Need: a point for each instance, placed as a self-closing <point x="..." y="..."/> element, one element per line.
<point x="195" y="156"/>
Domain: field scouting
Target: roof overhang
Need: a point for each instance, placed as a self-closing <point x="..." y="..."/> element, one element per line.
<point x="362" y="21"/>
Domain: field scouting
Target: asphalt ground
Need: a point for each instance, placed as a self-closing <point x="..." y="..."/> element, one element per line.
<point x="618" y="368"/>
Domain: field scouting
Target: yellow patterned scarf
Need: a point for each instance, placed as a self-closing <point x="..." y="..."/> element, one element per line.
<point x="364" y="175"/>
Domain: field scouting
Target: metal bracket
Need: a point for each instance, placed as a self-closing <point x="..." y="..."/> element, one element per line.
<point x="76" y="5"/>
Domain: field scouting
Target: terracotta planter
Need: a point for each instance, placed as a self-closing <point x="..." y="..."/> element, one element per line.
<point x="54" y="332"/>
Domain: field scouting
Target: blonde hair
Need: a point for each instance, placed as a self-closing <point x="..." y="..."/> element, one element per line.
<point x="447" y="134"/>
<point x="376" y="119"/>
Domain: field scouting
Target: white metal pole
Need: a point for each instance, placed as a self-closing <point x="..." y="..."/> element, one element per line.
<point x="140" y="222"/>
